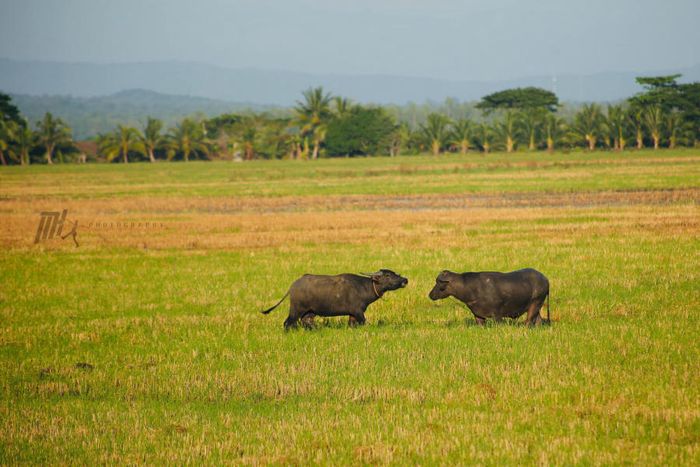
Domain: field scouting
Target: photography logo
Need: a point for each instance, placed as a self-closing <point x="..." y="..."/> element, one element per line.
<point x="51" y="226"/>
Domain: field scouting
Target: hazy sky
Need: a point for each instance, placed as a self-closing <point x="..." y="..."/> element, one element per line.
<point x="470" y="39"/>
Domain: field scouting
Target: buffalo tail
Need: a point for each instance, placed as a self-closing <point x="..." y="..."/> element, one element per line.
<point x="275" y="306"/>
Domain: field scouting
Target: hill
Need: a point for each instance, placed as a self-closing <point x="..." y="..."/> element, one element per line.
<point x="89" y="116"/>
<point x="279" y="87"/>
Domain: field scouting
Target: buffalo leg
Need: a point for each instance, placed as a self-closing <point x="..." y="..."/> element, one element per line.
<point x="533" y="313"/>
<point x="292" y="319"/>
<point x="308" y="320"/>
<point x="356" y="319"/>
<point x="480" y="321"/>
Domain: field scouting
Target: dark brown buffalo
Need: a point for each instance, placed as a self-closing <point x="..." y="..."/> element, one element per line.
<point x="496" y="295"/>
<point x="341" y="295"/>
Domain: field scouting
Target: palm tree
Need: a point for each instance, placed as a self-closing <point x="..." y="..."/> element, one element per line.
<point x="249" y="137"/>
<point x="484" y="134"/>
<point x="654" y="120"/>
<point x="554" y="129"/>
<point x="7" y="134"/>
<point x="342" y="105"/>
<point x="313" y="112"/>
<point x="507" y="129"/>
<point x="435" y="131"/>
<point x="151" y="137"/>
<point x="531" y="121"/>
<point x="52" y="132"/>
<point x="617" y="122"/>
<point x="23" y="143"/>
<point x="674" y="124"/>
<point x="118" y="143"/>
<point x="462" y="134"/>
<point x="399" y="138"/>
<point x="587" y="124"/>
<point x="187" y="138"/>
<point x="637" y="119"/>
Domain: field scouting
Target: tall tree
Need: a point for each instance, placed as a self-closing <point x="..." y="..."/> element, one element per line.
<point x="662" y="91"/>
<point x="462" y="134"/>
<point x="187" y="138"/>
<point x="484" y="136"/>
<point x="588" y="124"/>
<point x="151" y="137"/>
<point x="689" y="105"/>
<point x="554" y="129"/>
<point x="51" y="133"/>
<point x="314" y="111"/>
<point x="8" y="110"/>
<point x="120" y="142"/>
<point x="617" y="124"/>
<point x="520" y="98"/>
<point x="362" y="131"/>
<point x="674" y="124"/>
<point x="24" y="140"/>
<point x="654" y="120"/>
<point x="532" y="119"/>
<point x="400" y="138"/>
<point x="7" y="134"/>
<point x="636" y="117"/>
<point x="507" y="129"/>
<point x="249" y="135"/>
<point x="435" y="131"/>
<point x="342" y="105"/>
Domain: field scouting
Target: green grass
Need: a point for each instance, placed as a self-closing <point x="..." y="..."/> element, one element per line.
<point x="522" y="172"/>
<point x="185" y="369"/>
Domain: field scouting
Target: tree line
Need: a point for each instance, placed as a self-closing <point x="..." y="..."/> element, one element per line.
<point x="664" y="114"/>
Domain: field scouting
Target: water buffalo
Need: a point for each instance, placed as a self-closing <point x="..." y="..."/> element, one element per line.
<point x="341" y="295"/>
<point x="496" y="295"/>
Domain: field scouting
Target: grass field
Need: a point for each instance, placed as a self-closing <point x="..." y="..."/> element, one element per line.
<point x="145" y="344"/>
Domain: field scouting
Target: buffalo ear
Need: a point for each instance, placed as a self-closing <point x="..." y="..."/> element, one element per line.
<point x="443" y="276"/>
<point x="376" y="276"/>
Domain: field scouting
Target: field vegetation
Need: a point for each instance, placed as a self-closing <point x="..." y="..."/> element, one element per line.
<point x="145" y="344"/>
<point x="666" y="114"/>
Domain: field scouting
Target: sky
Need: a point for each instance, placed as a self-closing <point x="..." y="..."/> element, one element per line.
<point x="446" y="39"/>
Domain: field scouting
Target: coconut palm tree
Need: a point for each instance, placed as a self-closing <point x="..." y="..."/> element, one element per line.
<point x="617" y="123"/>
<point x="673" y="124"/>
<point x="531" y="121"/>
<point x="654" y="121"/>
<point x="187" y="138"/>
<point x="52" y="132"/>
<point x="7" y="135"/>
<point x="588" y="124"/>
<point x="399" y="138"/>
<point x="249" y="137"/>
<point x="120" y="142"/>
<point x="554" y="130"/>
<point x="484" y="136"/>
<point x="23" y="143"/>
<point x="342" y="106"/>
<point x="637" y="119"/>
<point x="436" y="131"/>
<point x="507" y="129"/>
<point x="151" y="137"/>
<point x="314" y="112"/>
<point x="462" y="134"/>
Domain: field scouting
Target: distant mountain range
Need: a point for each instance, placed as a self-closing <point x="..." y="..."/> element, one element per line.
<point x="88" y="116"/>
<point x="283" y="88"/>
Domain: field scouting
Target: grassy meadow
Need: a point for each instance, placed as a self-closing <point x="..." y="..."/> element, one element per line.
<point x="145" y="344"/>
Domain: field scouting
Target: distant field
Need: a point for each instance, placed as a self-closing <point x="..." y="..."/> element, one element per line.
<point x="161" y="300"/>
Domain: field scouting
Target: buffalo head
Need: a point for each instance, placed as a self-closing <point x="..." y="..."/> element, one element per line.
<point x="442" y="287"/>
<point x="387" y="280"/>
